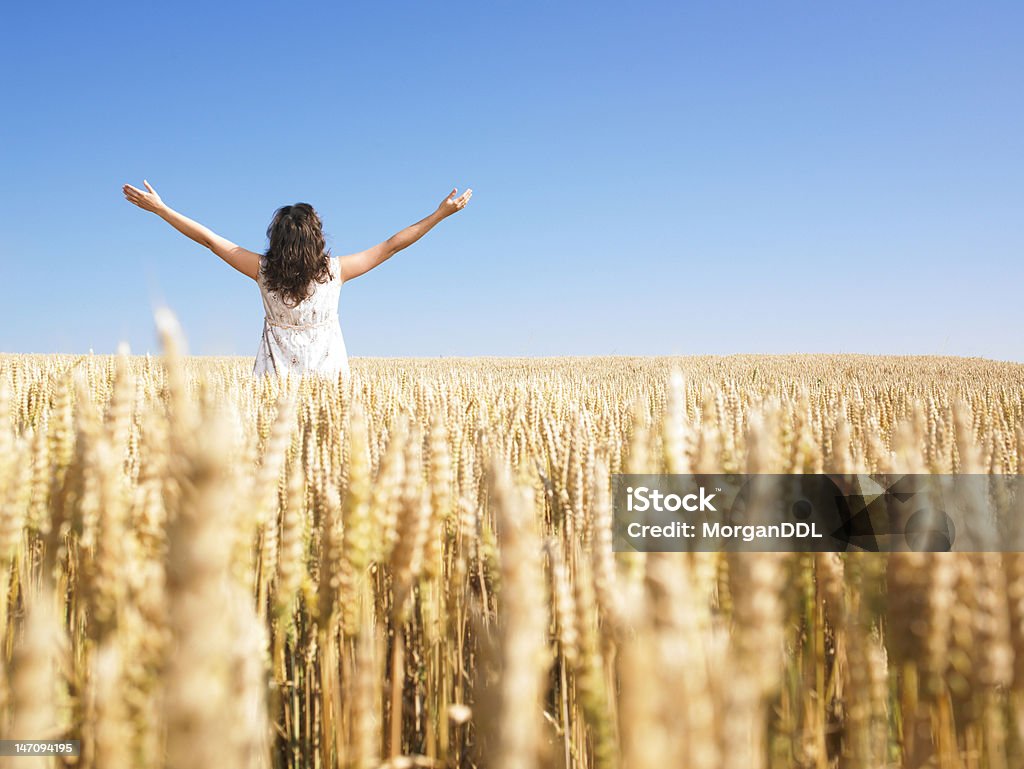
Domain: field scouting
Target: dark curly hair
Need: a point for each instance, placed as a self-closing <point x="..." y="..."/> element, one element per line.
<point x="297" y="254"/>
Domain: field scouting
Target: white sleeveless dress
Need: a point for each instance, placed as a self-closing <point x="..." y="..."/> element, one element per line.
<point x="306" y="338"/>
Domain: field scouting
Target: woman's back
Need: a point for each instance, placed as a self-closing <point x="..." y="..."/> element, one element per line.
<point x="305" y="338"/>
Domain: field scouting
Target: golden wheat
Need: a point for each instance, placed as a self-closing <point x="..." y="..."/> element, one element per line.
<point x="414" y="567"/>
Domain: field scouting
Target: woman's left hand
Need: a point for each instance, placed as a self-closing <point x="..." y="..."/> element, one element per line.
<point x="147" y="201"/>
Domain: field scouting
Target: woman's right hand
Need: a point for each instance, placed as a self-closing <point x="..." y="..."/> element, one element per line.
<point x="451" y="204"/>
<point x="147" y="201"/>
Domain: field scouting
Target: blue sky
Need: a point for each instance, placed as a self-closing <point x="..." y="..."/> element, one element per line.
<point x="649" y="178"/>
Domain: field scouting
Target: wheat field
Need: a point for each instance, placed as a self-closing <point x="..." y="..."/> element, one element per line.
<point x="413" y="567"/>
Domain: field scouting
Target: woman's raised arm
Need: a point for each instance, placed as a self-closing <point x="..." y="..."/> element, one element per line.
<point x="243" y="260"/>
<point x="354" y="265"/>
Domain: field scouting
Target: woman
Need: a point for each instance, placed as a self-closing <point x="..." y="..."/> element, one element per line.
<point x="298" y="278"/>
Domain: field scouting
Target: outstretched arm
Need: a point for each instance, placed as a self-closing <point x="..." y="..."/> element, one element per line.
<point x="354" y="265"/>
<point x="244" y="261"/>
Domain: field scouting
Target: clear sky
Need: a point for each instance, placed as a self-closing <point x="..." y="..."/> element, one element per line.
<point x="660" y="177"/>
